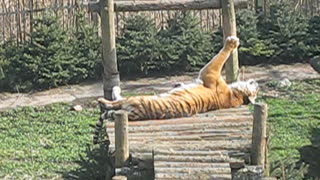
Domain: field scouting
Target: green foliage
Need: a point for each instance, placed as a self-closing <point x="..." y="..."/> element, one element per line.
<point x="138" y="46"/>
<point x="313" y="39"/>
<point x="252" y="46"/>
<point x="289" y="169"/>
<point x="52" y="56"/>
<point x="286" y="29"/>
<point x="85" y="48"/>
<point x="185" y="46"/>
<point x="48" y="143"/>
<point x="181" y="47"/>
<point x="293" y="119"/>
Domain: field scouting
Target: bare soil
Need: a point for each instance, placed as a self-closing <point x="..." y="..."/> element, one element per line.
<point x="85" y="91"/>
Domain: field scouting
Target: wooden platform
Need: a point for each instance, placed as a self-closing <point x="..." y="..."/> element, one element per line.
<point x="206" y="146"/>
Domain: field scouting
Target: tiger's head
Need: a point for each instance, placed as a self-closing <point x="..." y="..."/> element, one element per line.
<point x="249" y="89"/>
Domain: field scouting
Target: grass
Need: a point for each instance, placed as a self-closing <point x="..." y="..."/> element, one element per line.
<point x="46" y="142"/>
<point x="295" y="123"/>
<point x="53" y="142"/>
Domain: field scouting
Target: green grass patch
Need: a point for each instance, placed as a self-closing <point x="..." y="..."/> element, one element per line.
<point x="46" y="142"/>
<point x="294" y="120"/>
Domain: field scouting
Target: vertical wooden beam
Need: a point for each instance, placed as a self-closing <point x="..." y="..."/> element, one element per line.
<point x="109" y="55"/>
<point x="259" y="134"/>
<point x="229" y="29"/>
<point x="121" y="138"/>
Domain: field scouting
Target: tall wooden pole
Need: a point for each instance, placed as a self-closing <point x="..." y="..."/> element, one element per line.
<point x="109" y="56"/>
<point x="229" y="29"/>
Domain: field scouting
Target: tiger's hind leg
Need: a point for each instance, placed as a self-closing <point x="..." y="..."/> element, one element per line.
<point x="211" y="72"/>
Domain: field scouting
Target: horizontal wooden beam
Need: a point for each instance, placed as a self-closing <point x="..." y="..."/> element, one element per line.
<point x="156" y="5"/>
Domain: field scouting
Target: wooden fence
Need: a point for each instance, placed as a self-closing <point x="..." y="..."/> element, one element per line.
<point x="16" y="16"/>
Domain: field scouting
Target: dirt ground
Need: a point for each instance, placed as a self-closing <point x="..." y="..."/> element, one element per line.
<point x="77" y="93"/>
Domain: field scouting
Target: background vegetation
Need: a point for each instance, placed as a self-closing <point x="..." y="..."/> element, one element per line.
<point x="54" y="56"/>
<point x="295" y="130"/>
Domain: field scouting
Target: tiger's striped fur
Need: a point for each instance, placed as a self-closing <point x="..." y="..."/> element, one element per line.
<point x="209" y="92"/>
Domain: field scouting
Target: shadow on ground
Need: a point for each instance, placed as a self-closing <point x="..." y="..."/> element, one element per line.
<point x="311" y="155"/>
<point x="97" y="165"/>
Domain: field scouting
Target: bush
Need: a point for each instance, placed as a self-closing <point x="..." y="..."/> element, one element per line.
<point x="287" y="30"/>
<point x="253" y="49"/>
<point x="313" y="39"/>
<point x="181" y="47"/>
<point x="138" y="46"/>
<point x="52" y="56"/>
<point x="86" y="51"/>
<point x="185" y="46"/>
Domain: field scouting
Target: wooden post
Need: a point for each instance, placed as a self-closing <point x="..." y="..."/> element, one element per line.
<point x="109" y="56"/>
<point x="229" y="29"/>
<point x="258" y="156"/>
<point x="121" y="138"/>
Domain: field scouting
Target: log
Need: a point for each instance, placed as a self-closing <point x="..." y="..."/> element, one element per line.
<point x="190" y="120"/>
<point x="119" y="178"/>
<point x="194" y="170"/>
<point x="166" y="176"/>
<point x="109" y="56"/>
<point x="162" y="164"/>
<point x="121" y="138"/>
<point x="259" y="134"/>
<point x="229" y="29"/>
<point x="156" y="5"/>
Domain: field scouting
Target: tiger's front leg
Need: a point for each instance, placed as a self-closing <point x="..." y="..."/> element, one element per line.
<point x="211" y="72"/>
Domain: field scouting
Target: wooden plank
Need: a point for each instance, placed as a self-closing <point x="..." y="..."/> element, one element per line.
<point x="192" y="120"/>
<point x="119" y="178"/>
<point x="167" y="176"/>
<point x="169" y="164"/>
<point x="157" y="5"/>
<point x="194" y="170"/>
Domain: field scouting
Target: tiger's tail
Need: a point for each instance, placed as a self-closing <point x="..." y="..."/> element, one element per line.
<point x="98" y="128"/>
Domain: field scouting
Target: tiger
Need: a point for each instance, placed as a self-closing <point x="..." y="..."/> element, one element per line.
<point x="208" y="92"/>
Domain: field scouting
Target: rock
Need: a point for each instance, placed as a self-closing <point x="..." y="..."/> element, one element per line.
<point x="315" y="63"/>
<point x="249" y="173"/>
<point x="77" y="108"/>
<point x="284" y="83"/>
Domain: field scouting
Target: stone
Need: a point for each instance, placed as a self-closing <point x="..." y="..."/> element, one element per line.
<point x="77" y="108"/>
<point x="284" y="83"/>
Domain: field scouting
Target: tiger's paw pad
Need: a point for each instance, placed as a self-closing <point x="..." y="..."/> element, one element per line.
<point x="232" y="42"/>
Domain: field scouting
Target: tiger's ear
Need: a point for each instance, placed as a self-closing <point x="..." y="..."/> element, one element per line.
<point x="252" y="99"/>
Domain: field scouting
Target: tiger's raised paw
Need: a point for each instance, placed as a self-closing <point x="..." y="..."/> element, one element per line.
<point x="232" y="42"/>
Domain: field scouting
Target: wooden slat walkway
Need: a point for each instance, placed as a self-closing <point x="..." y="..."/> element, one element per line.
<point x="205" y="146"/>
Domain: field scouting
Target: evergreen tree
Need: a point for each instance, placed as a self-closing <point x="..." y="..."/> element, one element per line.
<point x="286" y="29"/>
<point x="137" y="47"/>
<point x="86" y="51"/>
<point x="252" y="45"/>
<point x="185" y="46"/>
<point x="313" y="38"/>
<point x="47" y="57"/>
